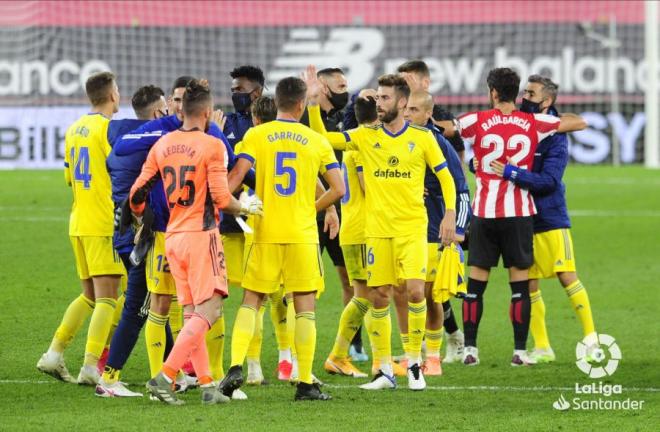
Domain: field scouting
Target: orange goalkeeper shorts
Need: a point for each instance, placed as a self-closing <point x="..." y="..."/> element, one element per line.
<point x="197" y="263"/>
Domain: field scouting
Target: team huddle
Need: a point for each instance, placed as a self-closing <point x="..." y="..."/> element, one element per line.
<point x="172" y="207"/>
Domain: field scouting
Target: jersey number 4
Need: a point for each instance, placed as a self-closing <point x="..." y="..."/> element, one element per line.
<point x="175" y="195"/>
<point x="496" y="142"/>
<point x="81" y="166"/>
<point x="281" y="169"/>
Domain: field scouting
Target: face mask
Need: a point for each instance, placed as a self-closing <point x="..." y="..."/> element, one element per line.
<point x="530" y="107"/>
<point x="241" y="101"/>
<point x="338" y="100"/>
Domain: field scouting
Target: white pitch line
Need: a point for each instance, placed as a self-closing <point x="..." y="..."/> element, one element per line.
<point x="614" y="213"/>
<point x="34" y="218"/>
<point x="433" y="388"/>
<point x="653" y="181"/>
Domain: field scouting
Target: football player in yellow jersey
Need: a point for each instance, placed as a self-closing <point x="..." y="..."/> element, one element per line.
<point x="394" y="157"/>
<point x="90" y="228"/>
<point x="353" y="245"/>
<point x="288" y="157"/>
<point x="263" y="111"/>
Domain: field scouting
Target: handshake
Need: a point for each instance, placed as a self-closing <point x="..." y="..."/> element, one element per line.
<point x="250" y="205"/>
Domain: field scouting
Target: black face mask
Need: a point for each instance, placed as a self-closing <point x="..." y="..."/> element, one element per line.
<point x="241" y="101"/>
<point x="338" y="100"/>
<point x="530" y="107"/>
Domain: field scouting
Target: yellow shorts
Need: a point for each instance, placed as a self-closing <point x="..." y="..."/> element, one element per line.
<point x="553" y="253"/>
<point x="157" y="269"/>
<point x="95" y="256"/>
<point x="234" y="244"/>
<point x="390" y="260"/>
<point x="355" y="258"/>
<point x="296" y="265"/>
<point x="433" y="260"/>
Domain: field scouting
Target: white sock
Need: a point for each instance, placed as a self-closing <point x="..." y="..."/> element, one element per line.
<point x="386" y="368"/>
<point x="53" y="355"/>
<point x="285" y="355"/>
<point x="414" y="360"/>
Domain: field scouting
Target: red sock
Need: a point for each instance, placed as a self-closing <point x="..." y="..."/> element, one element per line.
<point x="191" y="337"/>
<point x="200" y="361"/>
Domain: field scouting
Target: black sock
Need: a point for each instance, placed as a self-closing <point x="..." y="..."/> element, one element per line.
<point x="450" y="320"/>
<point x="357" y="340"/>
<point x="473" y="307"/>
<point x="519" y="313"/>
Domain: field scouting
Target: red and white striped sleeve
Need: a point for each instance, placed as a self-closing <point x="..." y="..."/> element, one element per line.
<point x="546" y="125"/>
<point x="467" y="126"/>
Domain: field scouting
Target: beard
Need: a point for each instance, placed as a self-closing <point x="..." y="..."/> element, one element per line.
<point x="388" y="116"/>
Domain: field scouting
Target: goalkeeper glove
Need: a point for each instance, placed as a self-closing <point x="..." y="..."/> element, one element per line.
<point x="250" y="205"/>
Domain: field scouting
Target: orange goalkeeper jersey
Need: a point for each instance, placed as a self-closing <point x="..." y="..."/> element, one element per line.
<point x="193" y="166"/>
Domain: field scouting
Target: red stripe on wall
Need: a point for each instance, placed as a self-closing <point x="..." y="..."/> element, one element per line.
<point x="286" y="13"/>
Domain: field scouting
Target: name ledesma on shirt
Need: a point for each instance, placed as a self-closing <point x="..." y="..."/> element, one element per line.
<point x="510" y="120"/>
<point x="179" y="149"/>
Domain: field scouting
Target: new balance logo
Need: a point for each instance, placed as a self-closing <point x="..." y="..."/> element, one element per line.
<point x="351" y="49"/>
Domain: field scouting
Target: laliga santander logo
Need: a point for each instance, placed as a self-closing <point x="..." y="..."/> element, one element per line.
<point x="598" y="355"/>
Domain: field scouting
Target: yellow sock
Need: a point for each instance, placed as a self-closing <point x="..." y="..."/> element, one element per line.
<point x="115" y="319"/>
<point x="405" y="342"/>
<point x="78" y="311"/>
<point x="537" y="321"/>
<point x="278" y="312"/>
<point x="349" y="322"/>
<point x="291" y="324"/>
<point x="416" y="328"/>
<point x="367" y="326"/>
<point x="176" y="317"/>
<point x="99" y="326"/>
<point x="305" y="337"/>
<point x="254" y="350"/>
<point x="242" y="334"/>
<point x="434" y="341"/>
<point x="110" y="375"/>
<point x="215" y="344"/>
<point x="154" y="336"/>
<point x="381" y="336"/>
<point x="577" y="294"/>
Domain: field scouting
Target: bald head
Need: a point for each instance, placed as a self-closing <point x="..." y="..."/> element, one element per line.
<point x="420" y="108"/>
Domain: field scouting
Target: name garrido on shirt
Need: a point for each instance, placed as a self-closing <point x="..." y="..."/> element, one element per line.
<point x="288" y="135"/>
<point x="511" y="120"/>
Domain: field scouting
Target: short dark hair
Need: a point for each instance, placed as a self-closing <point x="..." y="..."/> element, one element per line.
<point x="181" y="82"/>
<point x="398" y="82"/>
<point x="99" y="87"/>
<point x="507" y="83"/>
<point x="143" y="98"/>
<point x="329" y="71"/>
<point x="196" y="98"/>
<point x="252" y="73"/>
<point x="550" y="88"/>
<point x="365" y="110"/>
<point x="264" y="109"/>
<point x="289" y="92"/>
<point x="415" y="66"/>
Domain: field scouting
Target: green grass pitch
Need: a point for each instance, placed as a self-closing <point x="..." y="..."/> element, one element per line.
<point x="616" y="217"/>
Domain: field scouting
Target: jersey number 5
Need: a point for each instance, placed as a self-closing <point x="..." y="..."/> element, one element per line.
<point x="497" y="144"/>
<point x="282" y="170"/>
<point x="177" y="194"/>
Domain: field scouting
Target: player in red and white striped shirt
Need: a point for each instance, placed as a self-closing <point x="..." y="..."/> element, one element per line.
<point x="502" y="222"/>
